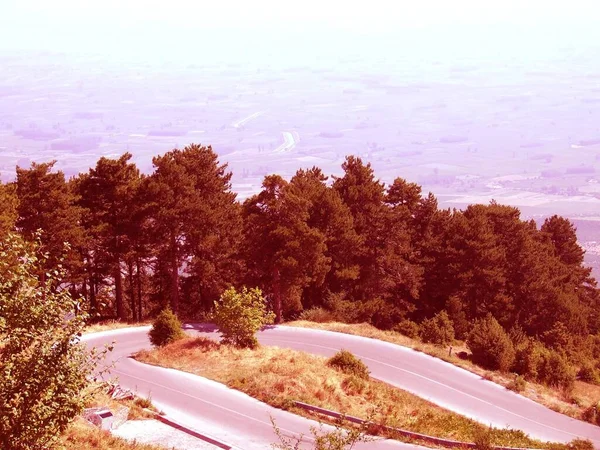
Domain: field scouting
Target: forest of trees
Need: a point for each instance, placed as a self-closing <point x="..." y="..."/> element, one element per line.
<point x="179" y="237"/>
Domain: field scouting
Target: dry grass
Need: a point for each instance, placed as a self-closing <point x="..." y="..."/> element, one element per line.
<point x="569" y="403"/>
<point x="82" y="436"/>
<point x="113" y="325"/>
<point x="137" y="407"/>
<point x="280" y="376"/>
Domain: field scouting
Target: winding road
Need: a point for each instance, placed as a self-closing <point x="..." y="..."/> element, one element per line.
<point x="243" y="422"/>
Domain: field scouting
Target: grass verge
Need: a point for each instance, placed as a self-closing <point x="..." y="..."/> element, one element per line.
<point x="113" y="324"/>
<point x="280" y="376"/>
<point x="570" y="403"/>
<point x="82" y="436"/>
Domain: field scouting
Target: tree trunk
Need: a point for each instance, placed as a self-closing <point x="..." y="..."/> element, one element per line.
<point x="119" y="290"/>
<point x="93" y="300"/>
<point x="174" y="275"/>
<point x="277" y="295"/>
<point x="139" y="288"/>
<point x="131" y="289"/>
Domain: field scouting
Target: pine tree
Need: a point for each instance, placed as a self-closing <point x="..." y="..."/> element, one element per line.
<point x="108" y="194"/>
<point x="8" y="208"/>
<point x="46" y="204"/>
<point x="284" y="254"/>
<point x="196" y="221"/>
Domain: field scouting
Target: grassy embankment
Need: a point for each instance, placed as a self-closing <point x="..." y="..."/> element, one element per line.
<point x="81" y="435"/>
<point x="570" y="403"/>
<point x="279" y="376"/>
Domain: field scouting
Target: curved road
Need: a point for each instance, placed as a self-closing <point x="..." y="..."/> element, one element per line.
<point x="428" y="377"/>
<point x="208" y="407"/>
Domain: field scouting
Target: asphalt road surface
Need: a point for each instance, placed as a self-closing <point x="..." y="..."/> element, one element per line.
<point x="244" y="422"/>
<point x="204" y="405"/>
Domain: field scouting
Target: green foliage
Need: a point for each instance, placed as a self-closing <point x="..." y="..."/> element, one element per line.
<point x="483" y="438"/>
<point x="111" y="201"/>
<point x="490" y="345"/>
<point x="556" y="371"/>
<point x="166" y="328"/>
<point x="47" y="213"/>
<point x="43" y="368"/>
<point x="193" y="217"/>
<point x="558" y="338"/>
<point x="589" y="374"/>
<point x="348" y="363"/>
<point x="8" y="208"/>
<point x="407" y="328"/>
<point x="530" y="358"/>
<point x="438" y="330"/>
<point x="592" y="414"/>
<point x="580" y="444"/>
<point x="240" y="315"/>
<point x="318" y="314"/>
<point x="458" y="316"/>
<point x="518" y="384"/>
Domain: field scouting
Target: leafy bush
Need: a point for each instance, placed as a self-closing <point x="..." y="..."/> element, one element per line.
<point x="438" y="330"/>
<point x="558" y="338"/>
<point x="348" y="363"/>
<point x="407" y="328"/>
<point x="239" y="315"/>
<point x="580" y="444"/>
<point x="379" y="313"/>
<point x="166" y="328"/>
<point x="529" y="359"/>
<point x="318" y="314"/>
<point x="457" y="315"/>
<point x="490" y="345"/>
<point x="557" y="371"/>
<point x="589" y="374"/>
<point x="483" y="438"/>
<point x="518" y="384"/>
<point x="43" y="368"/>
<point x="592" y="414"/>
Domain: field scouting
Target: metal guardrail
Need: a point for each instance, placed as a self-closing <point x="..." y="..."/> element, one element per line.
<point x="405" y="433"/>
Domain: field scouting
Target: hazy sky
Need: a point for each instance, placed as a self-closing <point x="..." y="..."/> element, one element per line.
<point x="154" y="28"/>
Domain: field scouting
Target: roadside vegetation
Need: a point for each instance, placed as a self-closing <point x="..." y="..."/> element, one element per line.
<point x="43" y="369"/>
<point x="112" y="324"/>
<point x="280" y="376"/>
<point x="81" y="435"/>
<point x="580" y="399"/>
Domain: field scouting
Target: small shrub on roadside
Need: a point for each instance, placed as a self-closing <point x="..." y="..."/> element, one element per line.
<point x="379" y="313"/>
<point x="589" y="374"/>
<point x="490" y="345"/>
<point x="143" y="402"/>
<point x="240" y="315"/>
<point x="348" y="363"/>
<point x="353" y="385"/>
<point x="483" y="439"/>
<point x="438" y="330"/>
<point x="529" y="359"/>
<point x="518" y="384"/>
<point x="580" y="444"/>
<point x="457" y="315"/>
<point x="408" y="328"/>
<point x="166" y="328"/>
<point x="557" y="371"/>
<point x="318" y="314"/>
<point x="592" y="414"/>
